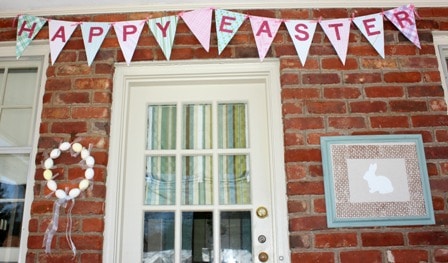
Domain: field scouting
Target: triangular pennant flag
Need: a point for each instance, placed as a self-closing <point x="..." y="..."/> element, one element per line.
<point x="93" y="34"/>
<point x="27" y="29"/>
<point x="60" y="33"/>
<point x="338" y="31"/>
<point x="264" y="30"/>
<point x="227" y="24"/>
<point x="371" y="26"/>
<point x="302" y="33"/>
<point x="128" y="34"/>
<point x="200" y="23"/>
<point x="404" y="19"/>
<point x="164" y="30"/>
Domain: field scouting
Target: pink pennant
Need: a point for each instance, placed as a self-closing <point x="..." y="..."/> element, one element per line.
<point x="60" y="33"/>
<point x="128" y="34"/>
<point x="264" y="29"/>
<point x="338" y="31"/>
<point x="404" y="19"/>
<point x="301" y="32"/>
<point x="200" y="23"/>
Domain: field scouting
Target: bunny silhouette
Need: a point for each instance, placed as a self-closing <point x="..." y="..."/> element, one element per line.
<point x="377" y="183"/>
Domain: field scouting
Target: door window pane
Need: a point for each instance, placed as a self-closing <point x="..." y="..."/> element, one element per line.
<point x="232" y="125"/>
<point x="161" y="127"/>
<point x="160" y="180"/>
<point x="197" y="126"/>
<point x="234" y="179"/>
<point x="158" y="237"/>
<point x="197" y="235"/>
<point x="236" y="237"/>
<point x="18" y="84"/>
<point x="197" y="180"/>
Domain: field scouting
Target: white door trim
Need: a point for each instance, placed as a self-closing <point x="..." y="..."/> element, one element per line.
<point x="163" y="72"/>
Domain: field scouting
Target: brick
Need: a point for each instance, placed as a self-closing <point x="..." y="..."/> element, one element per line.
<point x="379" y="63"/>
<point x="58" y="84"/>
<point x="91" y="257"/>
<point x="305" y="188"/>
<point x="315" y="170"/>
<point x="342" y="93"/>
<point x="90" y="112"/>
<point x="442" y="135"/>
<point x="425" y="91"/>
<point x="410" y="256"/>
<point x="326" y="107"/>
<point x="299" y="241"/>
<point x="368" y="106"/>
<point x="432" y="238"/>
<point x="308" y="223"/>
<point x="402" y="77"/>
<point x="408" y="105"/>
<point x="319" y="206"/>
<point x="300" y="93"/>
<point x="314" y="138"/>
<point x="438" y="203"/>
<point x="56" y="113"/>
<point x="441" y="219"/>
<point x="93" y="225"/>
<point x="382" y="239"/>
<point x="69" y="127"/>
<point x="297" y="206"/>
<point x="389" y="122"/>
<point x="72" y="98"/>
<point x="88" y="207"/>
<point x="361" y="78"/>
<point x="418" y="62"/>
<point x="289" y="78"/>
<point x="313" y="257"/>
<point x="384" y="91"/>
<point x="293" y="139"/>
<point x="346" y="122"/>
<point x="73" y="70"/>
<point x="322" y="78"/>
<point x="295" y="171"/>
<point x="303" y="123"/>
<point x="303" y="155"/>
<point x="93" y="84"/>
<point x="102" y="97"/>
<point x="292" y="108"/>
<point x="335" y="63"/>
<point x="437" y="152"/>
<point x="438" y="105"/>
<point x="430" y="121"/>
<point x="334" y="240"/>
<point x="396" y="50"/>
<point x="365" y="256"/>
<point x="441" y="255"/>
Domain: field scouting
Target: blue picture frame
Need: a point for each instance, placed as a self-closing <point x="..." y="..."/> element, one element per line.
<point x="376" y="180"/>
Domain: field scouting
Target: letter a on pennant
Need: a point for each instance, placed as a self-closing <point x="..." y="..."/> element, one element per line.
<point x="371" y="26"/>
<point x="27" y="29"/>
<point x="227" y="24"/>
<point x="200" y="23"/>
<point x="60" y="33"/>
<point x="128" y="33"/>
<point x="338" y="31"/>
<point x="404" y="19"/>
<point x="93" y="34"/>
<point x="264" y="30"/>
<point x="164" y="30"/>
<point x="302" y="33"/>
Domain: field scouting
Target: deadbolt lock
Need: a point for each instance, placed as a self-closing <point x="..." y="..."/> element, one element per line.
<point x="263" y="257"/>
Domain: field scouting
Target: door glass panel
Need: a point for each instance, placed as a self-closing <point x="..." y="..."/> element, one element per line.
<point x="15" y="127"/>
<point x="161" y="127"/>
<point x="160" y="180"/>
<point x="158" y="237"/>
<point x="13" y="171"/>
<point x="197" y="236"/>
<point x="234" y="179"/>
<point x="236" y="237"/>
<point x="197" y="126"/>
<point x="232" y="125"/>
<point x="197" y="180"/>
<point x="18" y="86"/>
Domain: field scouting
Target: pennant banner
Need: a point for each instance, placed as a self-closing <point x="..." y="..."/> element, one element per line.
<point x="264" y="30"/>
<point x="371" y="26"/>
<point x="164" y="30"/>
<point x="302" y="33"/>
<point x="128" y="33"/>
<point x="60" y="33"/>
<point x="227" y="25"/>
<point x="93" y="34"/>
<point x="27" y="29"/>
<point x="403" y="18"/>
<point x="338" y="31"/>
<point x="200" y="23"/>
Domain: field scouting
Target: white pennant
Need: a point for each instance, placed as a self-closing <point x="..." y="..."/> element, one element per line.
<point x="60" y="33"/>
<point x="338" y="31"/>
<point x="371" y="26"/>
<point x="301" y="32"/>
<point x="128" y="34"/>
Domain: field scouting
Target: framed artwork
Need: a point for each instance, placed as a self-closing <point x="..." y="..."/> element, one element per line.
<point x="376" y="180"/>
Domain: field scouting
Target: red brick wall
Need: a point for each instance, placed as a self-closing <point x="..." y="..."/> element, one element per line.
<point x="369" y="95"/>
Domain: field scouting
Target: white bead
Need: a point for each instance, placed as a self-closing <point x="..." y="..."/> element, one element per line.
<point x="90" y="161"/>
<point x="64" y="146"/>
<point x="74" y="192"/>
<point x="77" y="147"/>
<point x="51" y="184"/>
<point x="48" y="164"/>
<point x="84" y="153"/>
<point x="89" y="173"/>
<point x="55" y="153"/>
<point x="48" y="174"/>
<point x="60" y="194"/>
<point x="84" y="184"/>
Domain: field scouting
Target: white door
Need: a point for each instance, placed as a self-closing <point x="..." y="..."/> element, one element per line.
<point x="197" y="178"/>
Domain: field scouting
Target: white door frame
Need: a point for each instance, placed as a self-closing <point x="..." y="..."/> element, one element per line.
<point x="163" y="72"/>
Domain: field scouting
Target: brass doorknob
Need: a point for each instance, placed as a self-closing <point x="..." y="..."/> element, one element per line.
<point x="263" y="257"/>
<point x="262" y="212"/>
